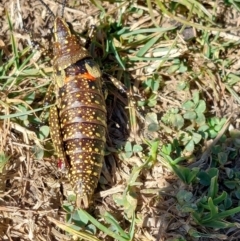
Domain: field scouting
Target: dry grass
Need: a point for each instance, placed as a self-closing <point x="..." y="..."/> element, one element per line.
<point x="139" y="185"/>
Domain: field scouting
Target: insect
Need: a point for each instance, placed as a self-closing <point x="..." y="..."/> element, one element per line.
<point x="78" y="120"/>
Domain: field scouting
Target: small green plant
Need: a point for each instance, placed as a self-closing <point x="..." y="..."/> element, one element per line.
<point x="210" y="210"/>
<point x="79" y="221"/>
<point x="129" y="150"/>
<point x="192" y="110"/>
<point x="186" y="174"/>
<point x="151" y="87"/>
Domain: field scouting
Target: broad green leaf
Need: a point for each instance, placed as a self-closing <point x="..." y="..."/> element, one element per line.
<point x="137" y="148"/>
<point x="184" y="196"/>
<point x="213" y="172"/>
<point x="82" y="216"/>
<point x="185" y="174"/>
<point x="222" y="158"/>
<point x="190" y="146"/>
<point x="204" y="178"/>
<point x="231" y="184"/>
<point x="190" y="115"/>
<point x="196" y="97"/>
<point x="203" y="128"/>
<point x="44" y="132"/>
<point x="196" y="138"/>
<point x="201" y="107"/>
<point x="178" y="121"/>
<point x="188" y="105"/>
<point x="200" y="120"/>
<point x="38" y="152"/>
<point x="128" y="147"/>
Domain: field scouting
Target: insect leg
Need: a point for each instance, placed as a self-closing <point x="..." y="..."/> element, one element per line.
<point x="57" y="136"/>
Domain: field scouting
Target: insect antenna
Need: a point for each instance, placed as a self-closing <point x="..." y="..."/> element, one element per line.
<point x="47" y="7"/>
<point x="63" y="7"/>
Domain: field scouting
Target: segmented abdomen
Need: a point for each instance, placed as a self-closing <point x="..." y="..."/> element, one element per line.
<point x="82" y="117"/>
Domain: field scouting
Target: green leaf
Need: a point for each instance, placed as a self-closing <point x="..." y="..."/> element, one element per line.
<point x="203" y="128"/>
<point x="147" y="46"/>
<point x="137" y="148"/>
<point x="153" y="127"/>
<point x="3" y="161"/>
<point x="213" y="209"/>
<point x="188" y="105"/>
<point x="182" y="68"/>
<point x="220" y="198"/>
<point x="30" y="98"/>
<point x="184" y="196"/>
<point x="185" y="174"/>
<point x="38" y="152"/>
<point x="190" y="146"/>
<point x="213" y="172"/>
<point x="182" y="85"/>
<point x="231" y="184"/>
<point x="227" y="202"/>
<point x="190" y="115"/>
<point x="196" y="138"/>
<point x="173" y="68"/>
<point x="200" y="120"/>
<point x="44" y="132"/>
<point x="153" y="149"/>
<point x="82" y="216"/>
<point x="222" y="158"/>
<point x="178" y="121"/>
<point x="132" y="227"/>
<point x="128" y="146"/>
<point x="196" y="97"/>
<point x="213" y="189"/>
<point x="229" y="172"/>
<point x="237" y="194"/>
<point x="205" y="179"/>
<point x="201" y="107"/>
<point x="151" y="118"/>
<point x="217" y="224"/>
<point x="68" y="207"/>
<point x="91" y="228"/>
<point x="22" y="109"/>
<point x="115" y="223"/>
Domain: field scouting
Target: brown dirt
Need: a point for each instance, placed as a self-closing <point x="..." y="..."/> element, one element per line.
<point x="31" y="188"/>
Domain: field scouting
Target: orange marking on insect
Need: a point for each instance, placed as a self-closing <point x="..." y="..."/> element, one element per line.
<point x="68" y="79"/>
<point x="87" y="76"/>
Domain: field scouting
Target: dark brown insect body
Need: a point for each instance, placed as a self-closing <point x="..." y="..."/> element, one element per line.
<point x="78" y="121"/>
